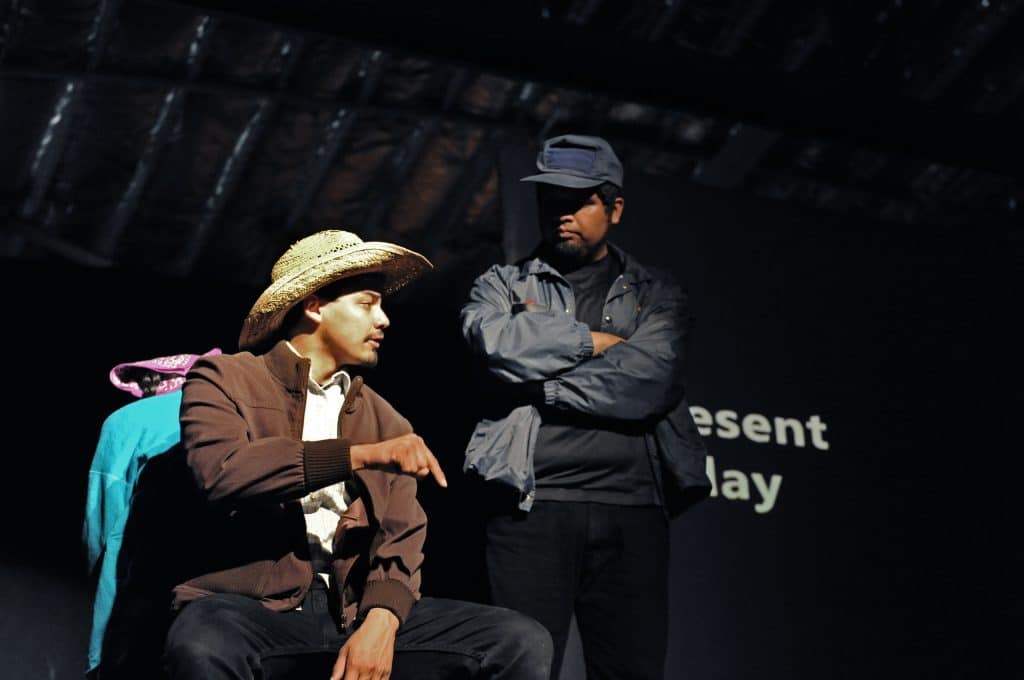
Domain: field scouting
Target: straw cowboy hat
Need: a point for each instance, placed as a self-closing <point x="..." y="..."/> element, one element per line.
<point x="317" y="260"/>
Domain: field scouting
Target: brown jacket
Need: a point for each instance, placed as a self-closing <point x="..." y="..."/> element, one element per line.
<point x="241" y="420"/>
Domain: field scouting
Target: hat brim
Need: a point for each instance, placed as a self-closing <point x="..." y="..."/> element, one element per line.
<point x="399" y="266"/>
<point x="562" y="180"/>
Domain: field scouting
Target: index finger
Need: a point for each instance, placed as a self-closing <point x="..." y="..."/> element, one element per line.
<point x="435" y="469"/>
<point x="339" y="665"/>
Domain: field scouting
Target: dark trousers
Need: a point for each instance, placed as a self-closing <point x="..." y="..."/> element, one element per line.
<point x="233" y="636"/>
<point x="608" y="564"/>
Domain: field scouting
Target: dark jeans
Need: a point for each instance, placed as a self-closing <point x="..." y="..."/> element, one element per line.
<point x="606" y="563"/>
<point x="233" y="636"/>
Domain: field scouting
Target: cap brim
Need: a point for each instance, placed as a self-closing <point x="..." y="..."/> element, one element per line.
<point x="558" y="179"/>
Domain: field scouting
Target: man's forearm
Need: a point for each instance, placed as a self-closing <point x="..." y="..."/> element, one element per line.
<point x="407" y="454"/>
<point x="523" y="346"/>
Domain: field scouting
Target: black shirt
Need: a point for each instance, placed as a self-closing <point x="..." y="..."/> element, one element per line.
<point x="579" y="458"/>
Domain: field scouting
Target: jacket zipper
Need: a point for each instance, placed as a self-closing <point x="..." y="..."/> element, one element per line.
<point x="353" y="391"/>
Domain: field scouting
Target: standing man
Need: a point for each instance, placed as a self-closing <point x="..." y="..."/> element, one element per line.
<point x="588" y="427"/>
<point x="310" y="478"/>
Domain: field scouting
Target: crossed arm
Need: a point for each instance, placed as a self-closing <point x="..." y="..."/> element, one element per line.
<point x="631" y="379"/>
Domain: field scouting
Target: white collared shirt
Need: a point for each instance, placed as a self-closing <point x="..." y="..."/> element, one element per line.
<point x="323" y="507"/>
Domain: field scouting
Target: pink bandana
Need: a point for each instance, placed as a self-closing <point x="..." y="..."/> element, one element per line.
<point x="173" y="367"/>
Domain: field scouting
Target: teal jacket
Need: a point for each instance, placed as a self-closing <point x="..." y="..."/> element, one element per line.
<point x="130" y="436"/>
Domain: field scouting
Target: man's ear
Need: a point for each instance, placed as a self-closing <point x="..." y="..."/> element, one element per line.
<point x="311" y="308"/>
<point x="617" y="208"/>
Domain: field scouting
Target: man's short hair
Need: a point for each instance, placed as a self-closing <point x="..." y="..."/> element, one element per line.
<point x="608" y="192"/>
<point x="350" y="284"/>
<point x="332" y="291"/>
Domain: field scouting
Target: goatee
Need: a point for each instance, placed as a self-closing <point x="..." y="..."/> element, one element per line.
<point x="567" y="256"/>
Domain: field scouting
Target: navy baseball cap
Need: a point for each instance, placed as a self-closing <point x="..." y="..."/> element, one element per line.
<point x="577" y="162"/>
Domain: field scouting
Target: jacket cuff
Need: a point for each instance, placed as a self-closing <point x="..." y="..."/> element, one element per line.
<point x="586" y="341"/>
<point x="550" y="392"/>
<point x="326" y="462"/>
<point x="389" y="594"/>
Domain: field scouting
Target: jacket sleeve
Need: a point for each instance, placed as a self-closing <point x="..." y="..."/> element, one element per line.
<point x="106" y="497"/>
<point x="394" y="577"/>
<point x="639" y="379"/>
<point x="520" y="346"/>
<point x="229" y="465"/>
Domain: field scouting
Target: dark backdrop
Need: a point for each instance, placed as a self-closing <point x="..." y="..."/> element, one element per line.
<point x="887" y="554"/>
<point x="882" y="554"/>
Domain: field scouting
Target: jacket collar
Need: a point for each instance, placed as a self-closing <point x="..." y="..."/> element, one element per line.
<point x="290" y="369"/>
<point x="632" y="270"/>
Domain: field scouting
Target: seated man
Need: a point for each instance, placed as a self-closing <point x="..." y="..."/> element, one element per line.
<point x="313" y="475"/>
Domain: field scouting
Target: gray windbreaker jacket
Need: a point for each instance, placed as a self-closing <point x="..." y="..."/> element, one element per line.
<point x="520" y="324"/>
